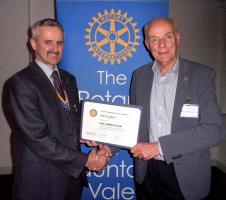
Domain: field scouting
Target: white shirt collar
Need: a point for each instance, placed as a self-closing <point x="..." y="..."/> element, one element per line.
<point x="46" y="69"/>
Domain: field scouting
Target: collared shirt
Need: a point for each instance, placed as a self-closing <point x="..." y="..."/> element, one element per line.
<point x="162" y="103"/>
<point x="47" y="70"/>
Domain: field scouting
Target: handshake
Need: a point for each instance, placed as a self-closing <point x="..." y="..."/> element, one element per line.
<point x="97" y="160"/>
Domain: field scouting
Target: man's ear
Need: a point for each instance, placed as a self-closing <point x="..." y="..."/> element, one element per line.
<point x="146" y="43"/>
<point x="33" y="43"/>
<point x="178" y="38"/>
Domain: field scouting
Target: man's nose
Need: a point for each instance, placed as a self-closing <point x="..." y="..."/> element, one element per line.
<point x="162" y="42"/>
<point x="55" y="47"/>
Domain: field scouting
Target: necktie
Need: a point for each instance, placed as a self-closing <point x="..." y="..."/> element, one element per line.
<point x="57" y="84"/>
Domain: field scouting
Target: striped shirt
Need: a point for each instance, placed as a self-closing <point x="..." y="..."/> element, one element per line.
<point x="162" y="102"/>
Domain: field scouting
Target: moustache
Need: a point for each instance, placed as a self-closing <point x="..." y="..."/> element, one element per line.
<point x="53" y="52"/>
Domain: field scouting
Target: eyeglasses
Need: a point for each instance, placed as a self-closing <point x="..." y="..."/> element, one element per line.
<point x="169" y="37"/>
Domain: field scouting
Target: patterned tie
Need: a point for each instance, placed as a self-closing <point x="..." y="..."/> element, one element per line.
<point x="57" y="84"/>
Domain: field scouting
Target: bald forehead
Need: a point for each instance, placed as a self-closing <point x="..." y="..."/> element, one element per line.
<point x="161" y="22"/>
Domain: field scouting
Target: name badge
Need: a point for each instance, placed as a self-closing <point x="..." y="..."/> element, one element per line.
<point x="190" y="111"/>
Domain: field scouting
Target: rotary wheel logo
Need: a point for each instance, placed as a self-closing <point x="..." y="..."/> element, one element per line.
<point x="112" y="37"/>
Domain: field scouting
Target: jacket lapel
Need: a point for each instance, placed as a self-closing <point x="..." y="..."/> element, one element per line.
<point x="45" y="83"/>
<point x="181" y="92"/>
<point x="147" y="94"/>
<point x="67" y="86"/>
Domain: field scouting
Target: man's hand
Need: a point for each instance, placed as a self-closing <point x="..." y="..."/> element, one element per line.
<point x="89" y="143"/>
<point x="95" y="162"/>
<point x="145" y="151"/>
<point x="105" y="151"/>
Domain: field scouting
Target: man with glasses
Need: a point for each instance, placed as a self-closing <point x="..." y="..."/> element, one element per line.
<point x="180" y="121"/>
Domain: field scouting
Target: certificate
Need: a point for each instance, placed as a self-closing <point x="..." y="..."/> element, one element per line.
<point x="110" y="124"/>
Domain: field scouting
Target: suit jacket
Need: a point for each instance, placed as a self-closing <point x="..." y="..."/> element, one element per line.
<point x="187" y="147"/>
<point x="45" y="138"/>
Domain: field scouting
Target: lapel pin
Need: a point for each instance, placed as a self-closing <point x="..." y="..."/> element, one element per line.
<point x="75" y="107"/>
<point x="185" y="77"/>
<point x="188" y="100"/>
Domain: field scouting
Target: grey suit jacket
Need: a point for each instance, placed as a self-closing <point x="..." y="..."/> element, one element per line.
<point x="45" y="138"/>
<point x="187" y="147"/>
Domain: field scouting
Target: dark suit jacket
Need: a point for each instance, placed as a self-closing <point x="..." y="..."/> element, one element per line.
<point x="45" y="138"/>
<point x="187" y="147"/>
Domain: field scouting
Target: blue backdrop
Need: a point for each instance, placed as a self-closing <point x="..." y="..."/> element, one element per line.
<point x="103" y="45"/>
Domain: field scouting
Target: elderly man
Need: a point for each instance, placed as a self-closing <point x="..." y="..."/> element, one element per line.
<point x="180" y="122"/>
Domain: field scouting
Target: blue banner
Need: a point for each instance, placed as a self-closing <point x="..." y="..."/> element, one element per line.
<point x="103" y="45"/>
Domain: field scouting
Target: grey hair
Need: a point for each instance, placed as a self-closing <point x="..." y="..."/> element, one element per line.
<point x="44" y="23"/>
<point x="148" y="25"/>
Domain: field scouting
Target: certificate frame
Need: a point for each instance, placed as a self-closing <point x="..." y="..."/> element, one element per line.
<point x="111" y="124"/>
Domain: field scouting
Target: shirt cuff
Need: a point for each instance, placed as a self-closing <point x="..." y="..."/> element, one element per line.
<point x="160" y="149"/>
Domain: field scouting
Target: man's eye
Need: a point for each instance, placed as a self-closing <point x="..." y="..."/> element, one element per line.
<point x="170" y="36"/>
<point x="154" y="40"/>
<point x="59" y="43"/>
<point x="49" y="42"/>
